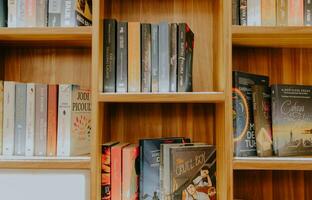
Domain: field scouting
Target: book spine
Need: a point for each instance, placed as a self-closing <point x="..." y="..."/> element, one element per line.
<point x="41" y="13"/>
<point x="134" y="57"/>
<point x="274" y="104"/>
<point x="3" y="13"/>
<point x="21" y="13"/>
<point x="268" y="13"/>
<point x="295" y="13"/>
<point x="8" y="118"/>
<point x="109" y="55"/>
<point x="243" y="12"/>
<point x="164" y="60"/>
<point x="254" y="12"/>
<point x="173" y="57"/>
<point x="12" y="14"/>
<point x="122" y="57"/>
<point x="106" y="173"/>
<point x="20" y="119"/>
<point x="116" y="173"/>
<point x="282" y="13"/>
<point x="189" y="46"/>
<point x="308" y="12"/>
<point x="41" y="120"/>
<point x="155" y="58"/>
<point x="146" y="58"/>
<point x="1" y="117"/>
<point x="54" y="15"/>
<point x="52" y="119"/>
<point x="30" y="120"/>
<point x="30" y="13"/>
<point x="64" y="119"/>
<point x="68" y="13"/>
<point x="141" y="176"/>
<point x="235" y="12"/>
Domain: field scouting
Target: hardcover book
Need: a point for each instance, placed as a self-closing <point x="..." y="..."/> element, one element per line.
<point x="54" y="15"/>
<point x="146" y="61"/>
<point x="295" y="13"/>
<point x="4" y="13"/>
<point x="307" y="12"/>
<point x="292" y="120"/>
<point x="8" y="117"/>
<point x="261" y="96"/>
<point x="83" y="12"/>
<point x="164" y="60"/>
<point x="282" y="12"/>
<point x="243" y="12"/>
<point x="52" y="119"/>
<point x="243" y="121"/>
<point x="268" y="13"/>
<point x="235" y="12"/>
<point x="41" y="13"/>
<point x="254" y="12"/>
<point x="30" y="120"/>
<point x="155" y="58"/>
<point x="122" y="57"/>
<point x="173" y="57"/>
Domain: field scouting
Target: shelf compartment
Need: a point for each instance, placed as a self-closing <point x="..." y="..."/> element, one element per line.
<point x="280" y="37"/>
<point x="177" y="97"/>
<point x="46" y="36"/>
<point x="272" y="163"/>
<point x="35" y="162"/>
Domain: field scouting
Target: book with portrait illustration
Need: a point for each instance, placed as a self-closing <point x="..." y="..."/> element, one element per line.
<point x="83" y="12"/>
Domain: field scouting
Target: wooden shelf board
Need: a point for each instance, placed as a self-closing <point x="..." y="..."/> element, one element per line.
<point x="264" y="36"/>
<point x="46" y="36"/>
<point x="177" y="97"/>
<point x="21" y="162"/>
<point x="272" y="163"/>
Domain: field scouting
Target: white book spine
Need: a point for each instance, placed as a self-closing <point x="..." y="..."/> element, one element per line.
<point x="30" y="120"/>
<point x="64" y="120"/>
<point x="8" y="118"/>
<point x="12" y="7"/>
<point x="254" y="12"/>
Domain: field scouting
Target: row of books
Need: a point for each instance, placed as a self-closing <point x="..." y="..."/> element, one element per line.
<point x="271" y="121"/>
<point x="44" y="120"/>
<point x="147" y="57"/>
<point x="272" y="12"/>
<point x="42" y="13"/>
<point x="163" y="168"/>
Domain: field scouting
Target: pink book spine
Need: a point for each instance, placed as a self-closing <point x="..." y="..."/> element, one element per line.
<point x="295" y="15"/>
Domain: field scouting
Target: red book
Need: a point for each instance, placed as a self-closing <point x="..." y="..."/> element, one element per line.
<point x="52" y="119"/>
<point x="116" y="167"/>
<point x="130" y="178"/>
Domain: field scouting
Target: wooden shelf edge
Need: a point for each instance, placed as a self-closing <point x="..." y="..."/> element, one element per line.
<point x="272" y="163"/>
<point x="177" y="97"/>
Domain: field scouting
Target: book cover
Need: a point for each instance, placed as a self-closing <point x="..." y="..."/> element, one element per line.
<point x="106" y="170"/>
<point x="243" y="121"/>
<point x="4" y="13"/>
<point x="130" y="178"/>
<point x="307" y="12"/>
<point x="193" y="171"/>
<point x="134" y="57"/>
<point x="146" y="59"/>
<point x="243" y="12"/>
<point x="83" y="12"/>
<point x="30" y="120"/>
<point x="235" y="12"/>
<point x="8" y="117"/>
<point x="292" y="120"/>
<point x="122" y="57"/>
<point x="41" y="13"/>
<point x="149" y="165"/>
<point x="254" y="12"/>
<point x="164" y="58"/>
<point x="185" y="58"/>
<point x="20" y="119"/>
<point x="261" y="97"/>
<point x="281" y="12"/>
<point x="41" y="119"/>
<point x="54" y="15"/>
<point x="1" y="116"/>
<point x="268" y="13"/>
<point x="68" y="18"/>
<point x="12" y="14"/>
<point x="52" y="119"/>
<point x="109" y="59"/>
<point x="116" y="169"/>
<point x="173" y="57"/>
<point x="295" y="13"/>
<point x="155" y="58"/>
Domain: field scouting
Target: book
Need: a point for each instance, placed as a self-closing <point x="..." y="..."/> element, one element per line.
<point x="1" y="116"/>
<point x="164" y="59"/>
<point x="109" y="60"/>
<point x="254" y="12"/>
<point x="185" y="58"/>
<point x="192" y="172"/>
<point x="235" y="12"/>
<point x="243" y="121"/>
<point x="295" y="13"/>
<point x="146" y="57"/>
<point x="12" y="14"/>
<point x="83" y="12"/>
<point x="292" y="120"/>
<point x="54" y="14"/>
<point x="68" y="18"/>
<point x="307" y="12"/>
<point x="134" y="57"/>
<point x="52" y="119"/>
<point x="30" y="13"/>
<point x="173" y="57"/>
<point x="21" y="13"/>
<point x="116" y="169"/>
<point x="130" y="178"/>
<point x="243" y="12"/>
<point x="261" y="97"/>
<point x="281" y="12"/>
<point x="41" y="98"/>
<point x="42" y="13"/>
<point x="30" y="120"/>
<point x="106" y="170"/>
<point x="155" y="58"/>
<point x="4" y="13"/>
<point x="149" y="165"/>
<point x="74" y="121"/>
<point x="8" y="117"/>
<point x="122" y="57"/>
<point x="268" y="13"/>
<point x="20" y="119"/>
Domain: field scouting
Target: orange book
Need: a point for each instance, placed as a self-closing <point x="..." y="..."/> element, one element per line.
<point x="268" y="13"/>
<point x="52" y="119"/>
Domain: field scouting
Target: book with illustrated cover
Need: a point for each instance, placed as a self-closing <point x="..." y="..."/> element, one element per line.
<point x="292" y="120"/>
<point x="83" y="12"/>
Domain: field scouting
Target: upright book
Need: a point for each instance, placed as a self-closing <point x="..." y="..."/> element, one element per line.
<point x="30" y="119"/>
<point x="3" y="13"/>
<point x="307" y="12"/>
<point x="164" y="60"/>
<point x="68" y="18"/>
<point x="295" y="13"/>
<point x="173" y="57"/>
<point x="122" y="57"/>
<point x="268" y="13"/>
<point x="1" y="116"/>
<point x="12" y="13"/>
<point x="54" y="13"/>
<point x="235" y="12"/>
<point x="243" y="12"/>
<point x="8" y="117"/>
<point x="146" y="55"/>
<point x="52" y="120"/>
<point x="254" y="12"/>
<point x="155" y="58"/>
<point x="282" y="12"/>
<point x="41" y="13"/>
<point x="83" y="12"/>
